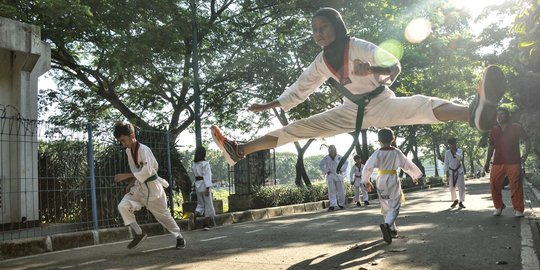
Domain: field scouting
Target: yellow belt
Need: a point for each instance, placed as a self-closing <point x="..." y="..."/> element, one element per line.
<point x="386" y="172"/>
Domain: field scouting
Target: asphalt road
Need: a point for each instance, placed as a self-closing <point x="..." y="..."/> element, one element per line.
<point x="432" y="236"/>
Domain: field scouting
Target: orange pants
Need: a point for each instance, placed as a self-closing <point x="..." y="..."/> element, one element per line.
<point x="513" y="172"/>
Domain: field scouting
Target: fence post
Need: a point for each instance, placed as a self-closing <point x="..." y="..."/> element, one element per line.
<point x="169" y="173"/>
<point x="92" y="176"/>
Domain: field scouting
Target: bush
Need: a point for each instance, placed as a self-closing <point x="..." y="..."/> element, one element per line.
<point x="432" y="180"/>
<point x="286" y="195"/>
<point x="271" y="196"/>
<point x="534" y="180"/>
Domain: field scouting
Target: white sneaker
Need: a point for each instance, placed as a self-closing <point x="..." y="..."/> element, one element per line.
<point x="519" y="214"/>
<point x="498" y="211"/>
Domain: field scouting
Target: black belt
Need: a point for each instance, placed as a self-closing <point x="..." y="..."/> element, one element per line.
<point x="149" y="179"/>
<point x="362" y="101"/>
<point x="199" y="178"/>
<point x="455" y="174"/>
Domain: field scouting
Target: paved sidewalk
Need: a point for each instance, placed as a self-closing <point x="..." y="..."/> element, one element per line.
<point x="433" y="236"/>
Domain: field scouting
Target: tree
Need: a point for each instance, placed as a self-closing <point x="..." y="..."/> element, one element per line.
<point x="134" y="59"/>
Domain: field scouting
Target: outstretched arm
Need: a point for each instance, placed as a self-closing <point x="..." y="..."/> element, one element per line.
<point x="262" y="107"/>
<point x="123" y="176"/>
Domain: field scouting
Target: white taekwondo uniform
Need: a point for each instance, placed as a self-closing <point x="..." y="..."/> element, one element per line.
<point x="334" y="181"/>
<point x="203" y="180"/>
<point x="148" y="191"/>
<point x="388" y="161"/>
<point x="356" y="178"/>
<point x="383" y="111"/>
<point x="452" y="165"/>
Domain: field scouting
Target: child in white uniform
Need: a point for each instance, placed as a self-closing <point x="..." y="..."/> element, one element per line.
<point x="334" y="181"/>
<point x="203" y="183"/>
<point x="455" y="173"/>
<point x="356" y="181"/>
<point x="388" y="160"/>
<point x="147" y="190"/>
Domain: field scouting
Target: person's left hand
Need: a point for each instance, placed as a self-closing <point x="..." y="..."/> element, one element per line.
<point x="207" y="193"/>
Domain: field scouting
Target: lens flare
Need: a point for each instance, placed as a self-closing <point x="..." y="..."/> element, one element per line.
<point x="392" y="46"/>
<point x="417" y="30"/>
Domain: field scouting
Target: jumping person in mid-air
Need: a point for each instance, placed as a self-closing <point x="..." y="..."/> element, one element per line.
<point x="362" y="72"/>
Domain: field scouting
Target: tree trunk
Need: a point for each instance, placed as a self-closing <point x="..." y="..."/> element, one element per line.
<point x="435" y="159"/>
<point x="301" y="173"/>
<point x="365" y="152"/>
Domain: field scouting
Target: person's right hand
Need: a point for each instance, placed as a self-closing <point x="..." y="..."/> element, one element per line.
<point x="368" y="186"/>
<point x="486" y="167"/>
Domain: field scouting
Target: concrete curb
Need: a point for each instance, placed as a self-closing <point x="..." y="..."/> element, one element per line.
<point x="532" y="199"/>
<point x="37" y="245"/>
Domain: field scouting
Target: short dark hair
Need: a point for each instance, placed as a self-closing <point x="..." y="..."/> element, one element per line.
<point x="452" y="141"/>
<point x="200" y="154"/>
<point x="386" y="135"/>
<point x="123" y="128"/>
<point x="357" y="157"/>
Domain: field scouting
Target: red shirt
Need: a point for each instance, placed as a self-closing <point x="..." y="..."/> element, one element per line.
<point x="506" y="143"/>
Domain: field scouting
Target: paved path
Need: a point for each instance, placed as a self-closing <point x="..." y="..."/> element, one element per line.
<point x="433" y="236"/>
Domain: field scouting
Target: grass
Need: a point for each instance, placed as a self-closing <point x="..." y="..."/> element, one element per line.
<point x="218" y="193"/>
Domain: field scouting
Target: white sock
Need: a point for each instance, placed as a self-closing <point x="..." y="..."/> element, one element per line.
<point x="136" y="228"/>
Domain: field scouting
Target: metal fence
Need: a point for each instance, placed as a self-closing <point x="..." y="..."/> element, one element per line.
<point x="57" y="179"/>
<point x="249" y="174"/>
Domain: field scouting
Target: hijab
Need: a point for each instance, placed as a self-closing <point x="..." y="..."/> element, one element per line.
<point x="334" y="52"/>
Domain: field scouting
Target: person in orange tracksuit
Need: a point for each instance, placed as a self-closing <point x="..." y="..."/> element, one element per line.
<point x="504" y="140"/>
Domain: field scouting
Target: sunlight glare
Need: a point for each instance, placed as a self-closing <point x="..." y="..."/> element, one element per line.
<point x="417" y="30"/>
<point x="474" y="7"/>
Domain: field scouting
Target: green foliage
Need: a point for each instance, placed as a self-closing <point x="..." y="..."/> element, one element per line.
<point x="115" y="60"/>
<point x="286" y="170"/>
<point x="217" y="193"/>
<point x="286" y="195"/>
<point x="62" y="182"/>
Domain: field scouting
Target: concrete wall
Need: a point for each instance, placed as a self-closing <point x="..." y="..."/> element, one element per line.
<point x="23" y="58"/>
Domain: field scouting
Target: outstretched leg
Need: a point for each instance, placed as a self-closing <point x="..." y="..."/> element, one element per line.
<point x="234" y="151"/>
<point x="452" y="112"/>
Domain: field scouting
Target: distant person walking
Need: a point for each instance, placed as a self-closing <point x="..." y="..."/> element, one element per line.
<point x="334" y="181"/>
<point x="203" y="184"/>
<point x="455" y="172"/>
<point x="504" y="140"/>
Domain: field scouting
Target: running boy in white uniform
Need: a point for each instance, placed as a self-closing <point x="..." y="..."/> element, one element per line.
<point x="388" y="160"/>
<point x="147" y="190"/>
